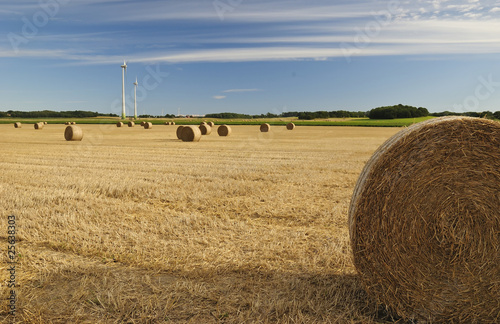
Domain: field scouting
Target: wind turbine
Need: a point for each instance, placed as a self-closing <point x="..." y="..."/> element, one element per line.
<point x="124" y="67"/>
<point x="135" y="98"/>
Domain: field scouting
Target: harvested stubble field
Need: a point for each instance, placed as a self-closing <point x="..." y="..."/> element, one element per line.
<point x="135" y="226"/>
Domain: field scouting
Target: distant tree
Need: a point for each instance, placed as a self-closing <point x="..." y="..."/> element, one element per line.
<point x="496" y="114"/>
<point x="397" y="111"/>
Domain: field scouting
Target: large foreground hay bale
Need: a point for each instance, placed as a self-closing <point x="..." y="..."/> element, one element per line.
<point x="148" y="125"/>
<point x="73" y="133"/>
<point x="290" y="126"/>
<point x="119" y="124"/>
<point x="179" y="132"/>
<point x="38" y="125"/>
<point x="265" y="128"/>
<point x="224" y="130"/>
<point x="191" y="134"/>
<point x="17" y="125"/>
<point x="205" y="129"/>
<point x="131" y="124"/>
<point x="424" y="222"/>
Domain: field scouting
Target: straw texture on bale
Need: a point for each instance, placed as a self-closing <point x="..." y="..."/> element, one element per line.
<point x="265" y="128"/>
<point x="131" y="124"/>
<point x="290" y="126"/>
<point x="205" y="129"/>
<point x="424" y="222"/>
<point x="17" y="125"/>
<point x="224" y="130"/>
<point x="119" y="124"/>
<point x="190" y="134"/>
<point x="73" y="133"/>
<point x="179" y="132"/>
<point x="38" y="125"/>
<point x="211" y="124"/>
<point x="148" y="125"/>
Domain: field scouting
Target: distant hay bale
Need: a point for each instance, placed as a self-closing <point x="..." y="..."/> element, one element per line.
<point x="265" y="128"/>
<point x="67" y="123"/>
<point x="119" y="124"/>
<point x="191" y="134"/>
<point x="38" y="125"/>
<point x="73" y="133"/>
<point x="211" y="124"/>
<point x="224" y="130"/>
<point x="290" y="126"/>
<point x="148" y="125"/>
<point x="73" y="123"/>
<point x="172" y="123"/>
<point x="131" y="124"/>
<point x="205" y="129"/>
<point x="424" y="222"/>
<point x="179" y="132"/>
<point x="142" y="123"/>
<point x="45" y="123"/>
<point x="167" y="123"/>
<point x="17" y="125"/>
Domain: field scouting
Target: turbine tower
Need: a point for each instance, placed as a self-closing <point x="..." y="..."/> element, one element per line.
<point x="124" y="67"/>
<point x="135" y="98"/>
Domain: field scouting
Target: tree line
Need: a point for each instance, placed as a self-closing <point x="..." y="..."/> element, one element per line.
<point x="53" y="114"/>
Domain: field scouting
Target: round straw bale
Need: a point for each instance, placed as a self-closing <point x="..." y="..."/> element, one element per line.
<point x="265" y="128"/>
<point x="205" y="129"/>
<point x="172" y="123"/>
<point x="167" y="123"/>
<point x="179" y="132"/>
<point x="73" y="133"/>
<point x="424" y="222"/>
<point x="290" y="126"/>
<point x="119" y="124"/>
<point x="131" y="124"/>
<point x="203" y="123"/>
<point x="45" y="123"/>
<point x="142" y="123"/>
<point x="73" y="123"/>
<point x="67" y="123"/>
<point x="148" y="125"/>
<point x="191" y="134"/>
<point x="211" y="124"/>
<point x="38" y="125"/>
<point x="17" y="125"/>
<point x="224" y="130"/>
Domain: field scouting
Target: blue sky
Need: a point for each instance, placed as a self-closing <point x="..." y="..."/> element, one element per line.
<point x="205" y="56"/>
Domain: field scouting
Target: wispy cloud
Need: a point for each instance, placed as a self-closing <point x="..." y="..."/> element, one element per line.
<point x="240" y="90"/>
<point x="219" y="97"/>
